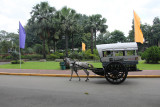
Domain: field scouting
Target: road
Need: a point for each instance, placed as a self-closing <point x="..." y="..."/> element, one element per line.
<point x="33" y="91"/>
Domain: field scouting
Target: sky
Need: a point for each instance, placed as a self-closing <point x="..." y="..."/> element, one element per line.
<point x="119" y="13"/>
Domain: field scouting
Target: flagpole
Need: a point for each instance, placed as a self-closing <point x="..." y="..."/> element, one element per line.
<point x="20" y="54"/>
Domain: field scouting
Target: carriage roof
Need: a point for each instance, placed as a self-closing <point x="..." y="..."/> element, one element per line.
<point x="116" y="47"/>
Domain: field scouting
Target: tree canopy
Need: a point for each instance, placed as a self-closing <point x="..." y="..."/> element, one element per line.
<point x="65" y="29"/>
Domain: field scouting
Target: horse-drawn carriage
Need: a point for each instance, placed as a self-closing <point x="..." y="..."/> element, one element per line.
<point x="117" y="60"/>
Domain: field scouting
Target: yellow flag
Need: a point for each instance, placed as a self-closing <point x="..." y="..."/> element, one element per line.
<point x="83" y="47"/>
<point x="137" y="30"/>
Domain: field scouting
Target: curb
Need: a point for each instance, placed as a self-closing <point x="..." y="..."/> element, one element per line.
<point x="83" y="76"/>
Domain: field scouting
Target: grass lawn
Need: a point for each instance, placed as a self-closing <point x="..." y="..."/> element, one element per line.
<point x="55" y="65"/>
<point x="33" y="65"/>
<point x="143" y="66"/>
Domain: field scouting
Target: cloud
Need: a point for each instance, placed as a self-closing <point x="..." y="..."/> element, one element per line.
<point x="119" y="13"/>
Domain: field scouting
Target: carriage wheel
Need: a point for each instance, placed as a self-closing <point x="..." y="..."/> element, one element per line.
<point x="115" y="72"/>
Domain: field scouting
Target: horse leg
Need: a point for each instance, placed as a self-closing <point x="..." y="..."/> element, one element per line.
<point x="85" y="70"/>
<point x="71" y="74"/>
<point x="77" y="75"/>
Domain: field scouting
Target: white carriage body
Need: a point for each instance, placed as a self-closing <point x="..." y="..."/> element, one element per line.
<point x="125" y="53"/>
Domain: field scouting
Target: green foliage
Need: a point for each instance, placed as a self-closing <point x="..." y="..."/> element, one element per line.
<point x="38" y="48"/>
<point x="5" y="46"/>
<point x="4" y="56"/>
<point x="86" y="55"/>
<point x="117" y="36"/>
<point x="59" y="55"/>
<point x="32" y="57"/>
<point x="8" y="57"/>
<point x="56" y="55"/>
<point x="29" y="50"/>
<point x="75" y="55"/>
<point x="52" y="57"/>
<point x="152" y="55"/>
<point x="17" y="62"/>
<point x="15" y="55"/>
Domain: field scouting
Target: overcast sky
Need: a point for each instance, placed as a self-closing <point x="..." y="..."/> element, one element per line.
<point x="119" y="13"/>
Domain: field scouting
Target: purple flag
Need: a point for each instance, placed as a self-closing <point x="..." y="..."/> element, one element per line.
<point x="22" y="36"/>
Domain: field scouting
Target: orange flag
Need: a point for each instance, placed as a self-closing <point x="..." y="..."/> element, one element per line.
<point x="137" y="30"/>
<point x="83" y="47"/>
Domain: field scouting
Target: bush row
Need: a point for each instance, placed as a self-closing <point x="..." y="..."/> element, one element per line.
<point x="17" y="62"/>
<point x="151" y="55"/>
<point x="86" y="55"/>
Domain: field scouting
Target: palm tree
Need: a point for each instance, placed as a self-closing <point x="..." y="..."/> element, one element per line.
<point x="98" y="25"/>
<point x="40" y="16"/>
<point x="90" y="27"/>
<point x="66" y="16"/>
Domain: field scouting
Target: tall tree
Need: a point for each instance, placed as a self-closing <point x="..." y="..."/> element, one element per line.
<point x="99" y="25"/>
<point x="96" y="23"/>
<point x="104" y="38"/>
<point x="117" y="36"/>
<point x="90" y="26"/>
<point x="31" y="38"/>
<point x="66" y="16"/>
<point x="156" y="31"/>
<point x="40" y="16"/>
<point x="3" y="35"/>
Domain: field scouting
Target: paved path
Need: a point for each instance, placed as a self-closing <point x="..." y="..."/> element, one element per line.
<point x="32" y="91"/>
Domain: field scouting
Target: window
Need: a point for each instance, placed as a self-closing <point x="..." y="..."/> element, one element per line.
<point x="131" y="53"/>
<point x="107" y="53"/>
<point x="119" y="53"/>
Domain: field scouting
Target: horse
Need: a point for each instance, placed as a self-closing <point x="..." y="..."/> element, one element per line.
<point x="76" y="65"/>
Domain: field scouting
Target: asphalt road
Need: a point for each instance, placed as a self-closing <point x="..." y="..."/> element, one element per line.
<point x="30" y="91"/>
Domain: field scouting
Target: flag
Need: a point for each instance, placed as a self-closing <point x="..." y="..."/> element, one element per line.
<point x="137" y="30"/>
<point x="83" y="46"/>
<point x="22" y="36"/>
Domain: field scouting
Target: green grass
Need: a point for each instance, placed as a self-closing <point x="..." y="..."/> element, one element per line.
<point x="143" y="66"/>
<point x="33" y="65"/>
<point x="55" y="65"/>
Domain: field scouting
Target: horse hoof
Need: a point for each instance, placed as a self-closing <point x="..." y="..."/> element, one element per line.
<point x="70" y="80"/>
<point x="86" y="80"/>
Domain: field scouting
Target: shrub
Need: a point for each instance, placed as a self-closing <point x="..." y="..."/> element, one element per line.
<point x="8" y="57"/>
<point x="152" y="55"/>
<point x="73" y="55"/>
<point x="60" y="55"/>
<point x="17" y="62"/>
<point x="29" y="50"/>
<point x="31" y="57"/>
<point x="15" y="55"/>
<point x="52" y="57"/>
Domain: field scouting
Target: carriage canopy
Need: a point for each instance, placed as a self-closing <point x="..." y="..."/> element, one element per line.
<point x="116" y="47"/>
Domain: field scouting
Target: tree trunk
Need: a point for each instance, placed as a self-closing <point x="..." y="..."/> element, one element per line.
<point x="158" y="43"/>
<point x="54" y="46"/>
<point x="95" y="40"/>
<point x="44" y="48"/>
<point x="66" y="38"/>
<point x="92" y="40"/>
<point x="72" y="43"/>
